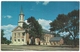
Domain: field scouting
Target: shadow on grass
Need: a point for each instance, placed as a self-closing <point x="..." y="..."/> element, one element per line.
<point x="62" y="46"/>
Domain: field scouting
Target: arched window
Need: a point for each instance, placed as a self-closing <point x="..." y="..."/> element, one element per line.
<point x="20" y="17"/>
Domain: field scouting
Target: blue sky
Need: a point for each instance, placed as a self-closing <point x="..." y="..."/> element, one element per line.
<point x="44" y="12"/>
<point x="36" y="9"/>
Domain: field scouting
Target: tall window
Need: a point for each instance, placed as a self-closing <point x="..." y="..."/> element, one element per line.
<point x="15" y="40"/>
<point x="19" y="40"/>
<point x="20" y="17"/>
<point x="14" y="35"/>
<point x="19" y="34"/>
<point x="23" y="40"/>
<point x="23" y="35"/>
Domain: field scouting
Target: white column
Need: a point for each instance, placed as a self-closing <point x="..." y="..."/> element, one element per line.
<point x="24" y="38"/>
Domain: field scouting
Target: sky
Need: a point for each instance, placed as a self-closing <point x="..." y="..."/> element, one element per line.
<point x="45" y="12"/>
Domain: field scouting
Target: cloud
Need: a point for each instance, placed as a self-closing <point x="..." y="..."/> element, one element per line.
<point x="45" y="2"/>
<point x="44" y="23"/>
<point x="7" y="16"/>
<point x="7" y="30"/>
<point x="26" y="22"/>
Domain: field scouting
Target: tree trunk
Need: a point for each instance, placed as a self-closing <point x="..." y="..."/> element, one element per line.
<point x="74" y="40"/>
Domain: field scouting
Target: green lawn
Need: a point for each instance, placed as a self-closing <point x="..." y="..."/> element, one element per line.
<point x="36" y="48"/>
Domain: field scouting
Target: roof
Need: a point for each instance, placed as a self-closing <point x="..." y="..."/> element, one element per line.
<point x="20" y="28"/>
<point x="47" y="32"/>
<point x="48" y="35"/>
<point x="55" y="39"/>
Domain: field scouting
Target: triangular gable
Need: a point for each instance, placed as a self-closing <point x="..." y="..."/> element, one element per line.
<point x="17" y="28"/>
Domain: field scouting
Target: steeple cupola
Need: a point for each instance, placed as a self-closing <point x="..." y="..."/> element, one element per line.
<point x="21" y="18"/>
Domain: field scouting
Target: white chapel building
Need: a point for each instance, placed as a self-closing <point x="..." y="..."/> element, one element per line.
<point x="19" y="36"/>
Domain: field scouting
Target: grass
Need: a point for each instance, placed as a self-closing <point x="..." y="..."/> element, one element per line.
<point x="36" y="48"/>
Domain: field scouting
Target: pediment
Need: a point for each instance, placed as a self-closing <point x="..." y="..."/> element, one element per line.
<point x="18" y="28"/>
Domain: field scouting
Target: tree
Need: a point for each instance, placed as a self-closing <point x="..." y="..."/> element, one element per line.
<point x="25" y="25"/>
<point x="35" y="27"/>
<point x="74" y="25"/>
<point x="56" y="35"/>
<point x="8" y="42"/>
<point x="2" y="33"/>
<point x="68" y="23"/>
<point x="3" y="39"/>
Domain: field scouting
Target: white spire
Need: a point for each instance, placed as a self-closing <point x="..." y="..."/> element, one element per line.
<point x="21" y="18"/>
<point x="21" y="11"/>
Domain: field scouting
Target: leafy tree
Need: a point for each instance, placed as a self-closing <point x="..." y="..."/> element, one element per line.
<point x="8" y="42"/>
<point x="68" y="23"/>
<point x="2" y="33"/>
<point x="73" y="26"/>
<point x="3" y="39"/>
<point x="56" y="35"/>
<point x="25" y="25"/>
<point x="35" y="27"/>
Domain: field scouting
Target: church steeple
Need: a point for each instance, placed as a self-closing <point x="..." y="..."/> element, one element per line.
<point x="21" y="18"/>
<point x="21" y="11"/>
